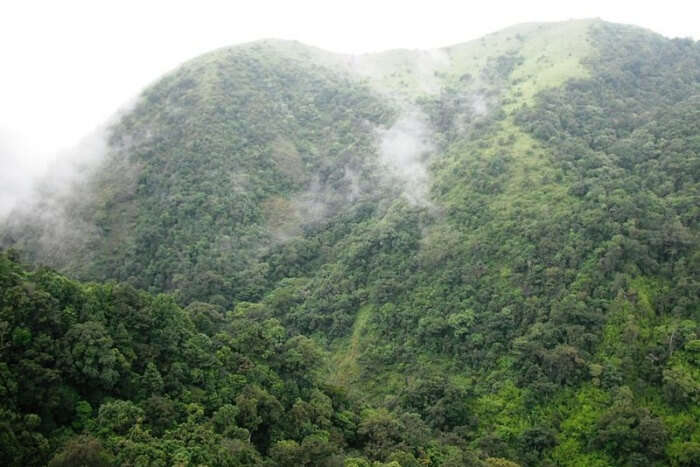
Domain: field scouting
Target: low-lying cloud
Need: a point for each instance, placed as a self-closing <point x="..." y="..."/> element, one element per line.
<point x="404" y="149"/>
<point x="20" y="166"/>
<point x="41" y="211"/>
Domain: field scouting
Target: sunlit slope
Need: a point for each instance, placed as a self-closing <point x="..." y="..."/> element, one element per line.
<point x="549" y="294"/>
<point x="546" y="55"/>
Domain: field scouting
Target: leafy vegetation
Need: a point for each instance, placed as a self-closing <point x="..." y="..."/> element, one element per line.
<point x="104" y="374"/>
<point x="540" y="309"/>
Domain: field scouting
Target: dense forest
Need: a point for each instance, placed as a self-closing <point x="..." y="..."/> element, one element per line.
<point x="107" y="375"/>
<point x="249" y="276"/>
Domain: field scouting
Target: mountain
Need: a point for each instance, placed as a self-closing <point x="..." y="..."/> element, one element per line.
<point x="485" y="254"/>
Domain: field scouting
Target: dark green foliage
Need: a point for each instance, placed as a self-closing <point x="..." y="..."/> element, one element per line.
<point x="164" y="393"/>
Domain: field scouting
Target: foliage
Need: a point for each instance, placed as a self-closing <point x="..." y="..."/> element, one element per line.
<point x="541" y="309"/>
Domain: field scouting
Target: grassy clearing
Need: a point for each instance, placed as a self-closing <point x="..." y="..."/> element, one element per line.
<point x="344" y="369"/>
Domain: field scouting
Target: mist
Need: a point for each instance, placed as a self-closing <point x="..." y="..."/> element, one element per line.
<point x="20" y="167"/>
<point x="398" y="166"/>
<point x="47" y="203"/>
<point x="49" y="199"/>
<point x="403" y="151"/>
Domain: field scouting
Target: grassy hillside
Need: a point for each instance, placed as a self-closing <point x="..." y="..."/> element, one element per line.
<point x="527" y="290"/>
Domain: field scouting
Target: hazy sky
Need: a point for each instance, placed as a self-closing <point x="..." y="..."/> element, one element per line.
<point x="68" y="65"/>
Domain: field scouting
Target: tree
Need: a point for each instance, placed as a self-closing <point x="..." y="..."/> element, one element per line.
<point x="82" y="451"/>
<point x="90" y="355"/>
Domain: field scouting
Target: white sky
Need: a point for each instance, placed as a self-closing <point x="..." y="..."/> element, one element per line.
<point x="68" y="65"/>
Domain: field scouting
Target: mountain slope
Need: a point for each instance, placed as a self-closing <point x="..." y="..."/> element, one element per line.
<point x="241" y="148"/>
<point x="500" y="236"/>
<point x="209" y="156"/>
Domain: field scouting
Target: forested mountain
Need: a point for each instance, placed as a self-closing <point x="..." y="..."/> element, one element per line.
<point x="485" y="254"/>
